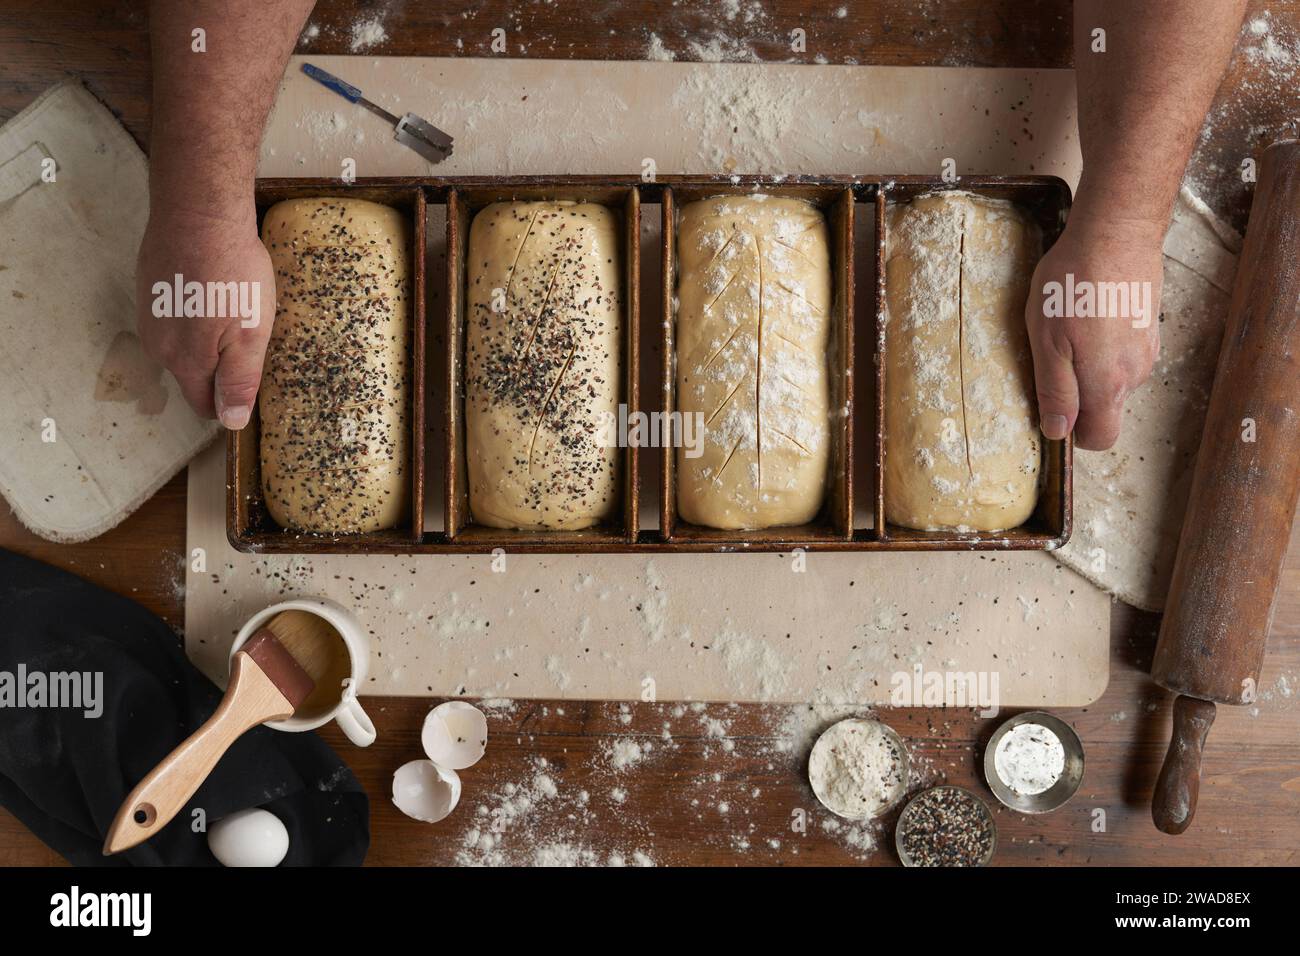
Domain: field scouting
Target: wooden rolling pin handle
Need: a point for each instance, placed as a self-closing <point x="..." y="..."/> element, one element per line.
<point x="1174" y="803"/>
<point x="252" y="699"/>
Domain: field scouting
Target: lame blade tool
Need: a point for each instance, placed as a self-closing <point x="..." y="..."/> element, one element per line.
<point x="419" y="134"/>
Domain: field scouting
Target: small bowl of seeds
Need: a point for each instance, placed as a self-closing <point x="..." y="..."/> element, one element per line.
<point x="946" y="826"/>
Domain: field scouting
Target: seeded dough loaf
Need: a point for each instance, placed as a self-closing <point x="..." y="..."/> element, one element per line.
<point x="543" y="355"/>
<point x="333" y="405"/>
<point x="962" y="445"/>
<point x="753" y="326"/>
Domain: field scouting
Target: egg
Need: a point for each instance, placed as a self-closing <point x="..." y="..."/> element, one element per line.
<point x="455" y="735"/>
<point x="249" y="838"/>
<point x="424" y="791"/>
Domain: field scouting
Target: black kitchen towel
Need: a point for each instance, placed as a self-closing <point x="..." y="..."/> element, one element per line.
<point x="64" y="770"/>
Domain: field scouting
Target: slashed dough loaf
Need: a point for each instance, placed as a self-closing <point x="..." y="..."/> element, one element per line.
<point x="962" y="444"/>
<point x="544" y="365"/>
<point x="334" y="396"/>
<point x="753" y="326"/>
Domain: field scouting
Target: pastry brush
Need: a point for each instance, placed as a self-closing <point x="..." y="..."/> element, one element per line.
<point x="266" y="683"/>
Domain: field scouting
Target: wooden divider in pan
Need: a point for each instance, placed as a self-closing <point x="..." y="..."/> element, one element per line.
<point x="249" y="525"/>
<point x="462" y="205"/>
<point x="1047" y="200"/>
<point x="835" y="522"/>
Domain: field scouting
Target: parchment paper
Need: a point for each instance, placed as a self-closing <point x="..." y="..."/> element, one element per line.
<point x="706" y="627"/>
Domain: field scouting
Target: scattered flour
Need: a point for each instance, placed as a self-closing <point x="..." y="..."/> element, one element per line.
<point x="722" y="49"/>
<point x="656" y="51"/>
<point x="367" y="33"/>
<point x="745" y="115"/>
<point x="537" y="823"/>
<point x="623" y="753"/>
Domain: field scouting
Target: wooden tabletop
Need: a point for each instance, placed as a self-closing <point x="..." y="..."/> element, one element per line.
<point x="562" y="780"/>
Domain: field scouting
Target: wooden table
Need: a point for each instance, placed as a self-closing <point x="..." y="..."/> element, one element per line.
<point x="702" y="798"/>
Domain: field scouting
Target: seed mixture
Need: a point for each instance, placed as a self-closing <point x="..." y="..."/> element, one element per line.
<point x="946" y="826"/>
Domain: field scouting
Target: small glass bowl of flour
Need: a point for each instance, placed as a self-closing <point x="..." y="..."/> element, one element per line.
<point x="1034" y="762"/>
<point x="859" y="768"/>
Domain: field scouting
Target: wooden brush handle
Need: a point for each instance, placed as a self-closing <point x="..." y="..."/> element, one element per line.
<point x="1179" y="785"/>
<point x="251" y="698"/>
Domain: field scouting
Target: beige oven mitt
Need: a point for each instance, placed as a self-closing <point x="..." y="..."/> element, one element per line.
<point x="92" y="427"/>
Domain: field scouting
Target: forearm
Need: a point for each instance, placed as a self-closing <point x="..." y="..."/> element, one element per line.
<point x="1142" y="101"/>
<point x="210" y="108"/>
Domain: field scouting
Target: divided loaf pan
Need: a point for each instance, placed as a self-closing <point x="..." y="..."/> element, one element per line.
<point x="855" y="360"/>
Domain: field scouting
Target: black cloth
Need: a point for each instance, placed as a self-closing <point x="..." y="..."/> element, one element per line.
<point x="64" y="774"/>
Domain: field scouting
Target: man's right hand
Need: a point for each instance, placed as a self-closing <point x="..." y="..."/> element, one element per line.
<point x="1085" y="368"/>
<point x="216" y="360"/>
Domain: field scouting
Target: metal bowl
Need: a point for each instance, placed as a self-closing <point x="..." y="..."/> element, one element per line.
<point x="904" y="820"/>
<point x="905" y="766"/>
<point x="1060" y="792"/>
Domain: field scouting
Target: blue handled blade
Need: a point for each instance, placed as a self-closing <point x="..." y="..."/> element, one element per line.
<point x="329" y="80"/>
<point x="419" y="134"/>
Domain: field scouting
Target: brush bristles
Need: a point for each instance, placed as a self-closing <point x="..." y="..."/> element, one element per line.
<point x="279" y="665"/>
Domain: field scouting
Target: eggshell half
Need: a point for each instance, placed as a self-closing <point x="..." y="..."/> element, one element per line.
<point x="455" y="735"/>
<point x="424" y="791"/>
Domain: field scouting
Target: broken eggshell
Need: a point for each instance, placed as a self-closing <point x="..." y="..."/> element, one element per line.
<point x="455" y="735"/>
<point x="424" y="791"/>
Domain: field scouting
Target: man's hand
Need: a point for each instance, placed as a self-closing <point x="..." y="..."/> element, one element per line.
<point x="1084" y="368"/>
<point x="217" y="361"/>
<point x="216" y="66"/>
<point x="1147" y="73"/>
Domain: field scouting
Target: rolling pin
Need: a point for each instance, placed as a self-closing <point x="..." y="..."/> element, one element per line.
<point x="1243" y="494"/>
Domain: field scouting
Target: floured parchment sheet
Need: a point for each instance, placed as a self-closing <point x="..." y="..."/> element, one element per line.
<point x="846" y="628"/>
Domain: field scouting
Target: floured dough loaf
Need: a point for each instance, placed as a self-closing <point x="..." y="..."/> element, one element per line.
<point x="753" y="326"/>
<point x="333" y="405"/>
<point x="962" y="445"/>
<point x="544" y="364"/>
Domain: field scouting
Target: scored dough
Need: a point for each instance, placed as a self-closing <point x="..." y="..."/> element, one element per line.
<point x="961" y="440"/>
<point x="753" y="326"/>
<point x="544" y="365"/>
<point x="333" y="400"/>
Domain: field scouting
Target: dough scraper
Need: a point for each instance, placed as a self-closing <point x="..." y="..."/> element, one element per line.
<point x="419" y="134"/>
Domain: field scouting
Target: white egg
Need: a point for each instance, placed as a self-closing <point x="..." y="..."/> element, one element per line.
<point x="424" y="791"/>
<point x="249" y="838"/>
<point x="455" y="735"/>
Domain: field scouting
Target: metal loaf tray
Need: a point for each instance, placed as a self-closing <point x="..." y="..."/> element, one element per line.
<point x="855" y="362"/>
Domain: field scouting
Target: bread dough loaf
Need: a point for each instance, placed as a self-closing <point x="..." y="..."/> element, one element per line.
<point x="544" y="365"/>
<point x="333" y="405"/>
<point x="753" y="326"/>
<point x="962" y="448"/>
